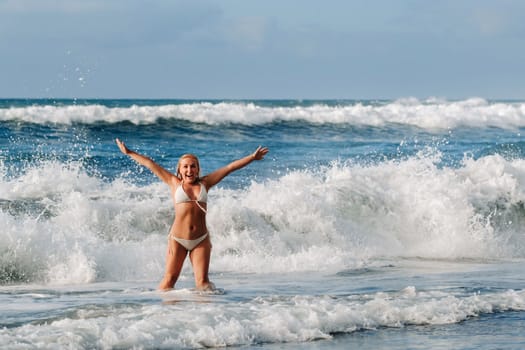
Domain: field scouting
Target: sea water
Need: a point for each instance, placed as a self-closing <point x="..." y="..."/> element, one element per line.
<point x="393" y="224"/>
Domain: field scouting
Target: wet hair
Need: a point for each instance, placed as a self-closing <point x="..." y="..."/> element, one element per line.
<point x="188" y="155"/>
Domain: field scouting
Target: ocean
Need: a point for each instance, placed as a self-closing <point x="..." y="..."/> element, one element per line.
<point x="371" y="224"/>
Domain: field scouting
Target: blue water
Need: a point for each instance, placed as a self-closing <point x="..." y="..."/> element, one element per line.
<point x="370" y="224"/>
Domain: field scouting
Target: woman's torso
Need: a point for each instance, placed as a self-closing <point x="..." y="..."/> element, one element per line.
<point x="190" y="202"/>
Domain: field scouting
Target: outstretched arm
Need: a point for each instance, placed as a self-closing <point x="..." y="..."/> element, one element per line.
<point x="215" y="177"/>
<point x="162" y="173"/>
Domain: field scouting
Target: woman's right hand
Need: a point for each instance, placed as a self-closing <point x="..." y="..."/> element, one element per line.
<point x="260" y="152"/>
<point x="122" y="147"/>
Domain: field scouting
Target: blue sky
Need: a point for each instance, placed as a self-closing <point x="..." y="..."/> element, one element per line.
<point x="262" y="49"/>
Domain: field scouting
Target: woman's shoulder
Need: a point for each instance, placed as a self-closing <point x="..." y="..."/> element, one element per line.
<point x="174" y="181"/>
<point x="204" y="181"/>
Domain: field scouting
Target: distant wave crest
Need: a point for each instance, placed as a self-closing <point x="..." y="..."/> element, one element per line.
<point x="426" y="114"/>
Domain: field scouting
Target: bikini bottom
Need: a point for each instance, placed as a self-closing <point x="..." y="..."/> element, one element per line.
<point x="189" y="244"/>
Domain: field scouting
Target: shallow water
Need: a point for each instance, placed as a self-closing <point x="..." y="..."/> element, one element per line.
<point x="408" y="304"/>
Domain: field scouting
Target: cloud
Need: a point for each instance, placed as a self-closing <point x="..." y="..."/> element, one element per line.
<point x="496" y="20"/>
<point x="51" y="6"/>
<point x="247" y="32"/>
<point x="98" y="24"/>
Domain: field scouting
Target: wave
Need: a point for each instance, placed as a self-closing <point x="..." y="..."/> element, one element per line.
<point x="428" y="114"/>
<point x="263" y="320"/>
<point x="63" y="225"/>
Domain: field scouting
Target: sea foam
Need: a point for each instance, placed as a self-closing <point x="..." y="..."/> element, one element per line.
<point x="62" y="225"/>
<point x="425" y="114"/>
<point x="267" y="319"/>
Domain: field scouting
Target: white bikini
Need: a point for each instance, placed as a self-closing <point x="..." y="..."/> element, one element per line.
<point x="182" y="197"/>
<point x="189" y="244"/>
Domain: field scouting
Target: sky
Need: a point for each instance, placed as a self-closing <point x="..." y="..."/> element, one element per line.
<point x="271" y="49"/>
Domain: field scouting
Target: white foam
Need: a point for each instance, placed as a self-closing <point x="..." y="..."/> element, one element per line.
<point x="61" y="225"/>
<point x="64" y="226"/>
<point x="428" y="114"/>
<point x="347" y="214"/>
<point x="270" y="319"/>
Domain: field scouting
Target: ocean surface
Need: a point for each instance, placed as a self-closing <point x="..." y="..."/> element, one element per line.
<point x="388" y="224"/>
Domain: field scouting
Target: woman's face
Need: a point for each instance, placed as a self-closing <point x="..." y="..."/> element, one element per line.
<point x="189" y="169"/>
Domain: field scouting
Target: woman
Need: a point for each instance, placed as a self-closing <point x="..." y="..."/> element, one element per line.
<point x="189" y="233"/>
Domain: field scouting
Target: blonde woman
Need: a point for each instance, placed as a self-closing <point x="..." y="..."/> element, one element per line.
<point x="189" y="234"/>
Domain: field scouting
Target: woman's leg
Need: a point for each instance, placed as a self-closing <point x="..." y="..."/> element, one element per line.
<point x="175" y="256"/>
<point x="200" y="260"/>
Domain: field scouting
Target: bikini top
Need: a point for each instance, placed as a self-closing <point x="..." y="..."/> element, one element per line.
<point x="182" y="197"/>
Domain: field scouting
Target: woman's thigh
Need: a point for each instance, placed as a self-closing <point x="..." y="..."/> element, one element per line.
<point x="175" y="258"/>
<point x="200" y="260"/>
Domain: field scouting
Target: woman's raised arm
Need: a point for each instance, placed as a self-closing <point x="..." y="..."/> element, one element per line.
<point x="215" y="177"/>
<point x="162" y="173"/>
